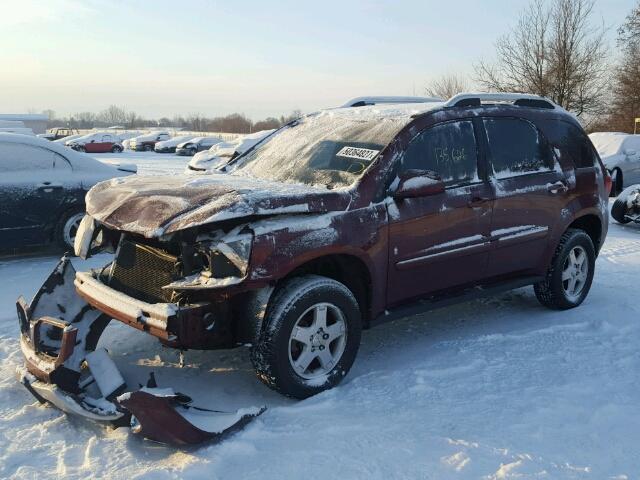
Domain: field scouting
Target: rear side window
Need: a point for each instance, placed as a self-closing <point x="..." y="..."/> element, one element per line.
<point x="448" y="149"/>
<point x="570" y="142"/>
<point x="516" y="147"/>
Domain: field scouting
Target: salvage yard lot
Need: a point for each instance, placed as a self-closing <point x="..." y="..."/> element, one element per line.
<point x="495" y="388"/>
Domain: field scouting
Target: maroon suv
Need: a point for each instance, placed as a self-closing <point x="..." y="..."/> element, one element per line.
<point x="343" y="219"/>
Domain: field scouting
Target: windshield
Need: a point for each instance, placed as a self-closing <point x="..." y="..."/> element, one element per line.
<point x="330" y="149"/>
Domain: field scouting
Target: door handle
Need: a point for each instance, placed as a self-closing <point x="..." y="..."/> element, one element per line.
<point x="477" y="202"/>
<point x="558" y="187"/>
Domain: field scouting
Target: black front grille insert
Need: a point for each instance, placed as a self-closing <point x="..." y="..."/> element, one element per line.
<point x="140" y="271"/>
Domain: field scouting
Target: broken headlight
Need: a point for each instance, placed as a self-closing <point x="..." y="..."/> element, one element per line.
<point x="229" y="257"/>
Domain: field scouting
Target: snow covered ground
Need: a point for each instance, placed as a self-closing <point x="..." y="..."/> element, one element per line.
<point x="495" y="388"/>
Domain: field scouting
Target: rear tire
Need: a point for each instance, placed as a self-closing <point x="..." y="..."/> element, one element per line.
<point x="116" y="149"/>
<point x="67" y="227"/>
<point x="148" y="148"/>
<point x="570" y="274"/>
<point x="620" y="206"/>
<point x="310" y="338"/>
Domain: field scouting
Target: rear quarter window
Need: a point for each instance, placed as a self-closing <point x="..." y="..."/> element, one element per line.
<point x="570" y="143"/>
<point x="516" y="147"/>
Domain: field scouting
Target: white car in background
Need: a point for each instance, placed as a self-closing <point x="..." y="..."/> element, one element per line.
<point x="221" y="153"/>
<point x="620" y="154"/>
<point x="169" y="146"/>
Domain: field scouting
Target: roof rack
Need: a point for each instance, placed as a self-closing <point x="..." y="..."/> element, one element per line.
<point x="366" y="101"/>
<point x="518" y="99"/>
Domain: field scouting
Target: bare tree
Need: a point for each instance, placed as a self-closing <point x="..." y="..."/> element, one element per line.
<point x="555" y="51"/>
<point x="446" y="86"/>
<point x="113" y="115"/>
<point x="625" y="103"/>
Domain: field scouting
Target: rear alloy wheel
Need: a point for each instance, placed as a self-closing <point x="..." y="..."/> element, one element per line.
<point x="67" y="229"/>
<point x="148" y="148"/>
<point x="310" y="337"/>
<point x="569" y="277"/>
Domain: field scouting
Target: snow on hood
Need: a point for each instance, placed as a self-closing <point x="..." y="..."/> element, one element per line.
<point x="153" y="206"/>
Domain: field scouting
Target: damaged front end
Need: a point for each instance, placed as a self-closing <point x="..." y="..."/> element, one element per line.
<point x="60" y="330"/>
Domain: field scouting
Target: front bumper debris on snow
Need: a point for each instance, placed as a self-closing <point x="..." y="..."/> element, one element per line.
<point x="60" y="330"/>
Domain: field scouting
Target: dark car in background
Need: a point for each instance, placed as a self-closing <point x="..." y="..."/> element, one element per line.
<point x="347" y="218"/>
<point x="147" y="142"/>
<point x="42" y="190"/>
<point x="195" y="145"/>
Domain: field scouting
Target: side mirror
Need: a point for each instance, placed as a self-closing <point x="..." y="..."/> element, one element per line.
<point x="629" y="152"/>
<point x="418" y="183"/>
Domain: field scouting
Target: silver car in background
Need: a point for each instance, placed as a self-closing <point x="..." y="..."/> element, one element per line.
<point x="620" y="154"/>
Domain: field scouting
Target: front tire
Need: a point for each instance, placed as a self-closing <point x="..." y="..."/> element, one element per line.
<point x="116" y="149"/>
<point x="570" y="274"/>
<point x="67" y="227"/>
<point x="310" y="338"/>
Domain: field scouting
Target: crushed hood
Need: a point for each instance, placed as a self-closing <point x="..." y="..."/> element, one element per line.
<point x="154" y="206"/>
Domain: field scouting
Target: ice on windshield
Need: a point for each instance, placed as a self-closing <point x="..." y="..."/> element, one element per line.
<point x="331" y="149"/>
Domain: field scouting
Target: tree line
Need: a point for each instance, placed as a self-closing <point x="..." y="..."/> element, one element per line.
<point x="558" y="49"/>
<point x="119" y="116"/>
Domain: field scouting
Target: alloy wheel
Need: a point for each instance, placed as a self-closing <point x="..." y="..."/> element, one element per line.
<point x="317" y="341"/>
<point x="575" y="273"/>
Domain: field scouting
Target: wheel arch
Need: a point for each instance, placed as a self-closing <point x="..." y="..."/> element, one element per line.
<point x="348" y="269"/>
<point x="591" y="224"/>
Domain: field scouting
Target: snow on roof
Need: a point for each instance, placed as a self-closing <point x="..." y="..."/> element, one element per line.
<point x="388" y="110"/>
<point x="80" y="161"/>
<point x="389" y="99"/>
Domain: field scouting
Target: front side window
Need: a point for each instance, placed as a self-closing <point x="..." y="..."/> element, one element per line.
<point x="107" y="139"/>
<point x="516" y="148"/>
<point x="448" y="149"/>
<point x="15" y="157"/>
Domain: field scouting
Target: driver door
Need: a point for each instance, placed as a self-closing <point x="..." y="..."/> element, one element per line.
<point x="440" y="242"/>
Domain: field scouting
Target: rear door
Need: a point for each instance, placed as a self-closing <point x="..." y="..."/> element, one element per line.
<point x="31" y="193"/>
<point x="531" y="191"/>
<point x="440" y="242"/>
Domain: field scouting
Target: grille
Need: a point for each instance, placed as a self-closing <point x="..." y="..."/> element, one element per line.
<point x="140" y="271"/>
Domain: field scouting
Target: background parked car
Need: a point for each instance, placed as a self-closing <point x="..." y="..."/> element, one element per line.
<point x="42" y="190"/>
<point x="66" y="140"/>
<point x="147" y="142"/>
<point x="99" y="142"/>
<point x="620" y="154"/>
<point x="169" y="146"/>
<point x="222" y="152"/>
<point x="58" y="133"/>
<point x="195" y="145"/>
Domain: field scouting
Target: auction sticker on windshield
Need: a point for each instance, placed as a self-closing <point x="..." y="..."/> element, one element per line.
<point x="358" y="153"/>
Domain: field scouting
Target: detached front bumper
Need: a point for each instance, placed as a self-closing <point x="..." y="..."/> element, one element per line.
<point x="59" y="334"/>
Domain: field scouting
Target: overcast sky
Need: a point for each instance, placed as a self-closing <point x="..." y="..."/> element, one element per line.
<point x="161" y="58"/>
